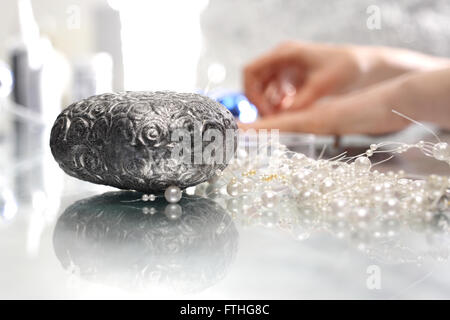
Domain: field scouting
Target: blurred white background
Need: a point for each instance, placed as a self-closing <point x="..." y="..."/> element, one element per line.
<point x="84" y="47"/>
<point x="170" y="44"/>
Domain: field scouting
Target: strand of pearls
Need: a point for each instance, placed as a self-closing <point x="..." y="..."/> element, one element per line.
<point x="307" y="178"/>
<point x="346" y="196"/>
<point x="172" y="194"/>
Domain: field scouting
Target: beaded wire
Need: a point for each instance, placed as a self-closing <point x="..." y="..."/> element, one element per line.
<point x="343" y="195"/>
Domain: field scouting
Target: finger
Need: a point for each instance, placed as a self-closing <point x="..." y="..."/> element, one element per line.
<point x="255" y="88"/>
<point x="366" y="112"/>
<point x="274" y="57"/>
<point x="254" y="91"/>
<point x="310" y="120"/>
<point x="315" y="87"/>
<point x="258" y="75"/>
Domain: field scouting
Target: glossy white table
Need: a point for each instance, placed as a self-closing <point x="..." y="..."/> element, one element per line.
<point x="47" y="252"/>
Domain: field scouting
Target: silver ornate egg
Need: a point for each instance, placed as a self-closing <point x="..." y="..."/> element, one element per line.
<point x="131" y="140"/>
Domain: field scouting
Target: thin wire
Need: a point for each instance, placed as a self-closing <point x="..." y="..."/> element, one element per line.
<point x="322" y="152"/>
<point x="417" y="122"/>
<point x="382" y="161"/>
<point x="335" y="158"/>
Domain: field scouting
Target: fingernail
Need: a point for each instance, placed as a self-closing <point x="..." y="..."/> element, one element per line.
<point x="286" y="103"/>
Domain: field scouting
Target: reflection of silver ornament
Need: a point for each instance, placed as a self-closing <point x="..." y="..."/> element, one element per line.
<point x="116" y="239"/>
<point x="125" y="139"/>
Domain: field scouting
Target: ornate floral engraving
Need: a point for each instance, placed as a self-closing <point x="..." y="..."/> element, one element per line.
<point x="124" y="139"/>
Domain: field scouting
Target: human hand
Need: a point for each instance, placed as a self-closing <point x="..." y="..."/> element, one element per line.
<point x="295" y="75"/>
<point x="423" y="96"/>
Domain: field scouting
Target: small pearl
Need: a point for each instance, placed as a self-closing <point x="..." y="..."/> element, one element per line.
<point x="298" y="181"/>
<point x="327" y="184"/>
<point x="144" y="197"/>
<point x="212" y="191"/>
<point x="173" y="211"/>
<point x="233" y="188"/>
<point x="151" y="197"/>
<point x="269" y="198"/>
<point x="307" y="194"/>
<point x="269" y="219"/>
<point x="363" y="164"/>
<point x="246" y="185"/>
<point x="234" y="205"/>
<point x="172" y="194"/>
<point x="361" y="213"/>
<point x="338" y="204"/>
<point x="373" y="147"/>
<point x="441" y="151"/>
<point x="369" y="152"/>
<point x="298" y="157"/>
<point x="216" y="177"/>
<point x="303" y="173"/>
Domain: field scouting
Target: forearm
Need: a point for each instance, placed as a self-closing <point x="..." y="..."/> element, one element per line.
<point x="381" y="63"/>
<point x="425" y="96"/>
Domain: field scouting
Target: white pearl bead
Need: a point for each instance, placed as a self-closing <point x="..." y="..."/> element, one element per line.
<point x="361" y="213"/>
<point x="441" y="151"/>
<point x="212" y="191"/>
<point x="298" y="181"/>
<point x="269" y="219"/>
<point x="269" y="198"/>
<point x="303" y="173"/>
<point x="173" y="211"/>
<point x="151" y="197"/>
<point x="307" y="194"/>
<point x="144" y="197"/>
<point x="246" y="185"/>
<point x="172" y="194"/>
<point x="233" y="188"/>
<point x="338" y="204"/>
<point x="234" y="205"/>
<point x="362" y="164"/>
<point x="216" y="177"/>
<point x="327" y="184"/>
<point x="298" y="157"/>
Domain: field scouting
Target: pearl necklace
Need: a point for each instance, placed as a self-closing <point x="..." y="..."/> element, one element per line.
<point x="344" y="196"/>
<point x="339" y="184"/>
<point x="281" y="187"/>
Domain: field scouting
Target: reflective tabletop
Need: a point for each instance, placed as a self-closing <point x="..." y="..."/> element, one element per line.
<point x="68" y="239"/>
